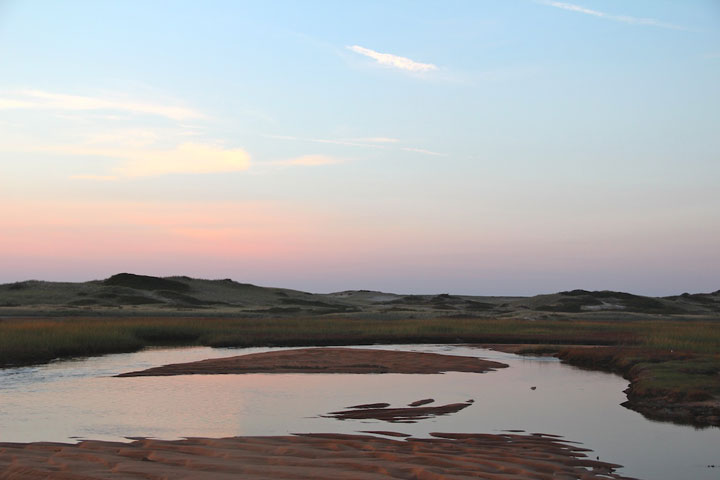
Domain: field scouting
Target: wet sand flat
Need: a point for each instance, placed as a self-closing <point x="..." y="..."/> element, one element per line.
<point x="316" y="456"/>
<point x="327" y="360"/>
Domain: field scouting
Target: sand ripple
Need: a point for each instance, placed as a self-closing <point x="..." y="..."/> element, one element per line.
<point x="310" y="456"/>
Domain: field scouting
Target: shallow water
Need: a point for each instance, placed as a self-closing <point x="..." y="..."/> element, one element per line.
<point x="69" y="400"/>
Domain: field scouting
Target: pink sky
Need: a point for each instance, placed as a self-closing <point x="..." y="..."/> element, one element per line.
<point x="490" y="148"/>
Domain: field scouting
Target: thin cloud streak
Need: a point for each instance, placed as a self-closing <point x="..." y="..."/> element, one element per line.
<point x="186" y="158"/>
<point x="617" y="18"/>
<point x="134" y="137"/>
<point x="424" y="152"/>
<point x="322" y="140"/>
<point x="40" y="100"/>
<point x="376" y="142"/>
<point x="310" y="161"/>
<point x="98" y="178"/>
<point x="395" y="61"/>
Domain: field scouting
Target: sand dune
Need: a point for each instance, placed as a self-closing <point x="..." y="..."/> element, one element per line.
<point x="311" y="456"/>
<point x="130" y="294"/>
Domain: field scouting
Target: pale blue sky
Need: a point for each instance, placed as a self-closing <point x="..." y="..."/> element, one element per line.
<point x="504" y="147"/>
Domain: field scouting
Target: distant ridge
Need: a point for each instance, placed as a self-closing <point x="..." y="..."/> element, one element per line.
<point x="129" y="293"/>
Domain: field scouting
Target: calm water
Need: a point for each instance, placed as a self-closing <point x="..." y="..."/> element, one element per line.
<point x="69" y="400"/>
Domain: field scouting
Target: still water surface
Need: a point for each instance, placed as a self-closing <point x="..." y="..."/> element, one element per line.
<point x="79" y="399"/>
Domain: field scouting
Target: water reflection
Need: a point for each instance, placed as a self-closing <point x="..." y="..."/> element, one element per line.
<point x="66" y="400"/>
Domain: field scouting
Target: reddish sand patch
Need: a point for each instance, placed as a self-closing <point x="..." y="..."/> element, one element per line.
<point x="316" y="456"/>
<point x="327" y="360"/>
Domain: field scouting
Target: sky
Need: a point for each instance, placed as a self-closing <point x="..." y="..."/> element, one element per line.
<point x="496" y="147"/>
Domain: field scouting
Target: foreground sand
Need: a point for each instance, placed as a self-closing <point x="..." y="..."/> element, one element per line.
<point x="311" y="456"/>
<point x="327" y="360"/>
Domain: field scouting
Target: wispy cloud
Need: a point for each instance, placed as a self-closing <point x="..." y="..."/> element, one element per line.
<point x="186" y="158"/>
<point x="424" y="152"/>
<point x="394" y="61"/>
<point x="608" y="16"/>
<point x="141" y="149"/>
<point x="41" y="100"/>
<point x="99" y="178"/>
<point x="377" y="140"/>
<point x="384" y="143"/>
<point x="310" y="161"/>
<point x="135" y="137"/>
<point x="351" y="143"/>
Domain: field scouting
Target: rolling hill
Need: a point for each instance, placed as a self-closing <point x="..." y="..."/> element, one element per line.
<point x="131" y="294"/>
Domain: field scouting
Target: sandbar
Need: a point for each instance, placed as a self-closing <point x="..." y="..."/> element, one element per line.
<point x="327" y="360"/>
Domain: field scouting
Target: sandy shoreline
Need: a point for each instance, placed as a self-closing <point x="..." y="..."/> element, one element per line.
<point x="327" y="360"/>
<point x="316" y="456"/>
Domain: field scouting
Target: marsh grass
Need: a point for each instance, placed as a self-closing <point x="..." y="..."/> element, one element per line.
<point x="29" y="342"/>
<point x="24" y="341"/>
<point x="698" y="337"/>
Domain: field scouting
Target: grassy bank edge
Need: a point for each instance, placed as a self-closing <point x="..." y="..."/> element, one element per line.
<point x="666" y="385"/>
